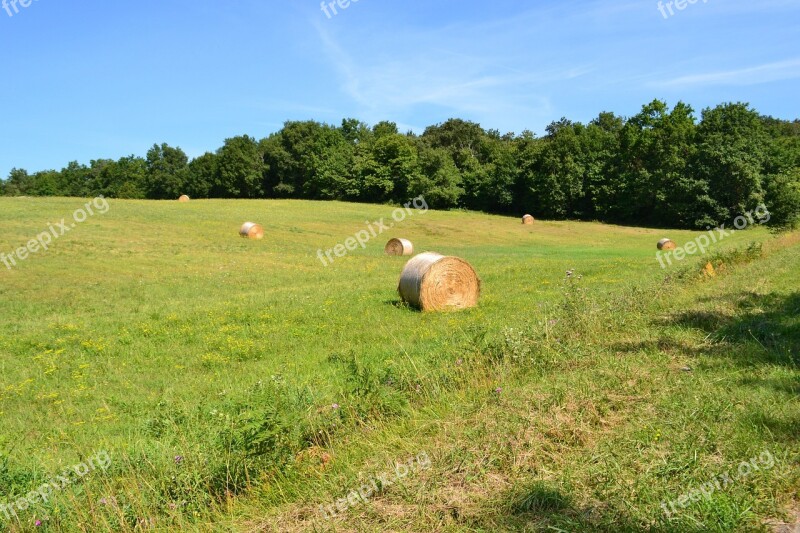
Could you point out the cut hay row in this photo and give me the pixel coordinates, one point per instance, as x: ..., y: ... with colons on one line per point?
x: 433, y: 282
x: 399, y: 247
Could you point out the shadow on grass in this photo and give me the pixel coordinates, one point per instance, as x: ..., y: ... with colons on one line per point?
x: 539, y: 506
x: 770, y: 320
x: 766, y: 328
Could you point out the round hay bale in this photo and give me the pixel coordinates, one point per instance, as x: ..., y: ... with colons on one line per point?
x: 433, y: 282
x: 399, y: 247
x: 184, y: 199
x: 666, y: 244
x: 528, y: 220
x: 251, y: 230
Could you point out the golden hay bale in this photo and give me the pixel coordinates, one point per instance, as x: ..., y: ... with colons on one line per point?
x: 184, y: 199
x: 433, y: 282
x: 528, y: 220
x: 399, y: 247
x: 666, y: 244
x: 251, y: 230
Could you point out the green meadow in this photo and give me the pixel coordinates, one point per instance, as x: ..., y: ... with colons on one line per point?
x: 237, y: 385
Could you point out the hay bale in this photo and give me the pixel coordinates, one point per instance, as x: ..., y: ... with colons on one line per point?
x: 251, y: 230
x: 666, y: 244
x: 399, y: 247
x: 184, y: 199
x: 528, y: 220
x: 433, y: 282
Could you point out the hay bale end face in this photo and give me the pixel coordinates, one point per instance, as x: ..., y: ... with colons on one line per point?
x: 433, y: 282
x: 666, y: 244
x: 399, y: 247
x: 528, y: 220
x: 184, y: 199
x: 251, y: 230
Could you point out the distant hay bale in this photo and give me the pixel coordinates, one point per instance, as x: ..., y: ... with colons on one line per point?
x: 251, y: 230
x: 399, y: 247
x: 528, y: 220
x: 433, y: 282
x: 184, y: 199
x: 666, y: 244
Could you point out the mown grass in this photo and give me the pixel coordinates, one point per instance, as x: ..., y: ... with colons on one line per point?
x: 209, y: 366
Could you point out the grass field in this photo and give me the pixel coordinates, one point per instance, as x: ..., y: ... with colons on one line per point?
x: 239, y: 385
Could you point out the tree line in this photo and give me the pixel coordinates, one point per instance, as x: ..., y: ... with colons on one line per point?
x: 661, y: 167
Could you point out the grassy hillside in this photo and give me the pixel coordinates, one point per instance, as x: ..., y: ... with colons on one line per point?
x: 240, y: 384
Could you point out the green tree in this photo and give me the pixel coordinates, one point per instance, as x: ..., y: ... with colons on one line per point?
x: 783, y: 199
x: 385, y: 171
x: 600, y: 145
x: 19, y: 183
x: 356, y: 132
x: 659, y: 175
x: 731, y: 155
x: 75, y: 180
x: 167, y: 172
x: 46, y: 183
x: 240, y: 169
x: 485, y: 160
x: 309, y: 160
x: 660, y: 167
x: 438, y: 181
x: 529, y: 149
x: 552, y: 171
x: 461, y: 138
x: 783, y: 150
x: 202, y: 175
x: 384, y: 128
x: 489, y: 178
x: 126, y: 178
x: 97, y: 178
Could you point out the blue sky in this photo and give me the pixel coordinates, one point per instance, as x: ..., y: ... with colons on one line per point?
x: 101, y: 79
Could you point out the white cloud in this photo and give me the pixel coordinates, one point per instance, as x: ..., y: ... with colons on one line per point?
x: 472, y: 84
x: 769, y: 72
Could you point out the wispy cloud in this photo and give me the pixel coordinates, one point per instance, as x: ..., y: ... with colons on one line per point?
x: 769, y: 72
x: 473, y: 84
